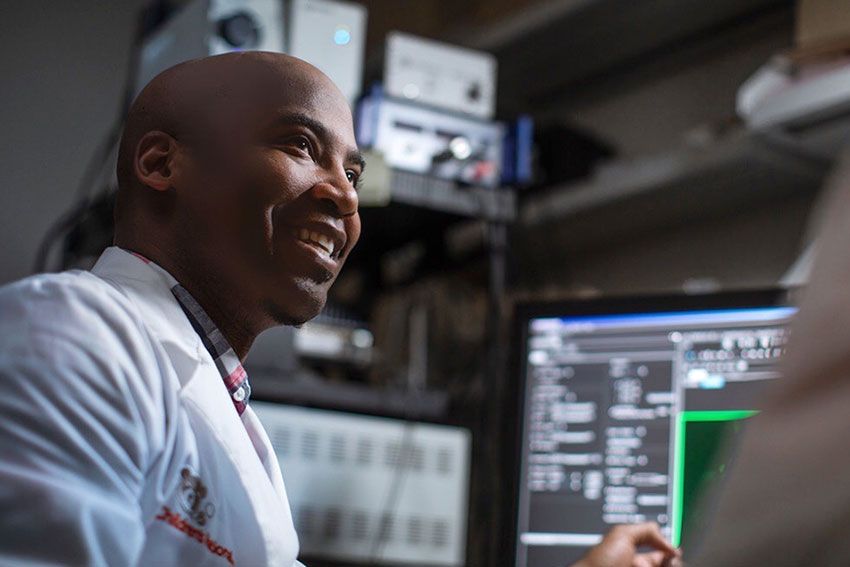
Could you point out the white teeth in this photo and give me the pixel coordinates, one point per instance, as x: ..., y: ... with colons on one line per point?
x: 320, y: 241
x: 326, y: 243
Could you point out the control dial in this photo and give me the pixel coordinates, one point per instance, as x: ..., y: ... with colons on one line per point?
x: 239, y: 30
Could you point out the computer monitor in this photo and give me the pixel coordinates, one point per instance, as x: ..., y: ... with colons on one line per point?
x: 628, y: 409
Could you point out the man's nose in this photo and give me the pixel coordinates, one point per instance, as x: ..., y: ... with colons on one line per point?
x: 338, y: 192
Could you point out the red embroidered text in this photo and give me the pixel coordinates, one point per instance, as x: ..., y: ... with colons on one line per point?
x: 176, y: 521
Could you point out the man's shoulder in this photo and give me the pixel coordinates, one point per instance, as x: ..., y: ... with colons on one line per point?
x: 76, y: 330
x: 73, y: 348
x: 69, y: 304
x: 73, y: 290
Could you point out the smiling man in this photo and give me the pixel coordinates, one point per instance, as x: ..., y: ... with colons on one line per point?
x: 238, y: 176
x: 126, y: 433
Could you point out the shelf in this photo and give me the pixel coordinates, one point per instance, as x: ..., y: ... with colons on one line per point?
x: 420, y: 212
x: 681, y: 185
x: 808, y: 112
x: 446, y: 196
x: 315, y: 392
x: 773, y: 97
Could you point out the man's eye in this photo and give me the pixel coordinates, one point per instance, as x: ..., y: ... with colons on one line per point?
x: 300, y: 143
x: 352, y: 176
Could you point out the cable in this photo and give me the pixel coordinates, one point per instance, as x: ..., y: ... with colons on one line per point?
x: 416, y: 378
x: 81, y: 204
x: 406, y: 448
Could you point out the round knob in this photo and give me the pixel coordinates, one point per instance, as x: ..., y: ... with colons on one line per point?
x: 239, y: 30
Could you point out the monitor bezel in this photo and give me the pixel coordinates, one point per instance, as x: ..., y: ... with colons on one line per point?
x: 524, y: 311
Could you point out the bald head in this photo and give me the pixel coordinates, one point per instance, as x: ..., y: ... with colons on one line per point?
x: 208, y: 98
x: 238, y: 173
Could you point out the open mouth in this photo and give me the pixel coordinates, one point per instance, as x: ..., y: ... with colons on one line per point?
x: 322, y: 244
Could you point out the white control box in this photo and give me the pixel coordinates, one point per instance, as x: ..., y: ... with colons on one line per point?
x: 212, y: 27
x: 264, y: 16
x: 429, y: 141
x: 439, y: 74
x: 332, y: 36
x: 329, y: 34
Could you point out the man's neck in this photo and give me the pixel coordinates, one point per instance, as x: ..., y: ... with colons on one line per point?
x: 219, y: 304
x: 232, y: 325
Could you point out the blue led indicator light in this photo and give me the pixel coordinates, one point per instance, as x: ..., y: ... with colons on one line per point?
x: 342, y: 36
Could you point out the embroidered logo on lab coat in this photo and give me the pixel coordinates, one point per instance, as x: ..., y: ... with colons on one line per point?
x: 193, y: 497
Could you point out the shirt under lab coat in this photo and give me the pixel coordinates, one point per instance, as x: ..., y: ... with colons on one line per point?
x: 119, y: 444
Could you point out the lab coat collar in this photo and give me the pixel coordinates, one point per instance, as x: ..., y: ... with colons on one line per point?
x: 148, y: 286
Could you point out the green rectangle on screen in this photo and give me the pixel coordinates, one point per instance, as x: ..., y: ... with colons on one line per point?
x: 690, y: 473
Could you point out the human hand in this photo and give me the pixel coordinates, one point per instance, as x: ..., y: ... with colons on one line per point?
x: 619, y: 549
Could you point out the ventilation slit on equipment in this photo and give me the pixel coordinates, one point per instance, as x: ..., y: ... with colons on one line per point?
x: 415, y: 526
x: 364, y: 451
x: 337, y: 448
x: 417, y: 458
x: 386, y: 528
x: 360, y: 525
x: 333, y: 520
x: 281, y: 439
x: 440, y: 533
x: 305, y: 522
x: 309, y: 445
x: 392, y: 454
x: 444, y: 461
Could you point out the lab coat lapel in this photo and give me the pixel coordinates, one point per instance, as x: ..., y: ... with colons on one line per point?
x: 266, y: 452
x: 206, y: 394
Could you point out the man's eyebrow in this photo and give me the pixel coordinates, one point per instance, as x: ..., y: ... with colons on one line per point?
x: 354, y: 156
x: 299, y: 119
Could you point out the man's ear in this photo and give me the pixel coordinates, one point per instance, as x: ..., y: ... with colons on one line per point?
x: 157, y: 160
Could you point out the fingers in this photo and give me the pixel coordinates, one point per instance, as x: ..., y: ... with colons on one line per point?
x: 619, y: 548
x: 648, y: 534
x: 654, y: 559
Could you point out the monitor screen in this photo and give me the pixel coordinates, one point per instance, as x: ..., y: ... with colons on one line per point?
x: 628, y: 408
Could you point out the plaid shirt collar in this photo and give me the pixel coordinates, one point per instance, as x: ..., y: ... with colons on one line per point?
x: 229, y: 366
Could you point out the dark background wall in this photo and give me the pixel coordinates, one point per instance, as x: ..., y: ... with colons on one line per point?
x: 63, y: 66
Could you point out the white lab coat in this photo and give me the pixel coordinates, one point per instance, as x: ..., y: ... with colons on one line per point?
x: 119, y: 444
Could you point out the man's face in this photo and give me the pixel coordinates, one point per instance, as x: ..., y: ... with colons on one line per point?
x: 279, y: 194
